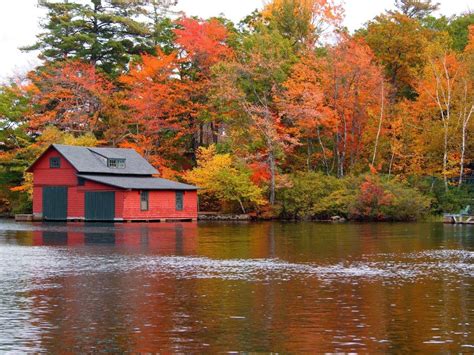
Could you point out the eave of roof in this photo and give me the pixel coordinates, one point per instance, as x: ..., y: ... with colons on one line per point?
x: 138, y: 183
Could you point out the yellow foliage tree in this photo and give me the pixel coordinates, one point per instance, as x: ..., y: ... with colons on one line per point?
x: 220, y: 178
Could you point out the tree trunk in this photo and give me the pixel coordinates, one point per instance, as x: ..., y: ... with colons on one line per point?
x: 241, y: 206
x: 308, y: 155
x: 463, y: 144
x: 445, y: 158
x: 466, y: 116
x: 271, y: 161
x: 380, y: 124
x: 391, y: 163
x: 325, y: 161
x: 344, y: 147
x: 443, y: 100
x: 463, y: 150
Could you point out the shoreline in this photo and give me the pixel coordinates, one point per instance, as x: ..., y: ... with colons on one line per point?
x: 216, y: 217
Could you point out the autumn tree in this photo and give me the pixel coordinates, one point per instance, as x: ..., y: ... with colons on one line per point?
x: 355, y: 85
x: 70, y: 95
x: 302, y: 21
x: 14, y: 104
x: 158, y: 114
x: 305, y: 103
x: 400, y: 44
x: 457, y: 26
x: 201, y: 45
x: 445, y: 105
x: 252, y: 81
x: 466, y: 98
x: 222, y: 179
x: 340, y: 97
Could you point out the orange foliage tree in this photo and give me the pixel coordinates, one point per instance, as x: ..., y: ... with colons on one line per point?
x: 201, y: 45
x: 443, y: 109
x: 337, y: 101
x: 354, y: 84
x: 167, y: 95
x: 252, y: 83
x: 304, y: 102
x: 70, y: 95
x: 156, y: 102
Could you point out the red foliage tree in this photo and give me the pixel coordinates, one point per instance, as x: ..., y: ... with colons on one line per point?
x: 204, y: 43
x: 70, y: 95
x: 157, y: 99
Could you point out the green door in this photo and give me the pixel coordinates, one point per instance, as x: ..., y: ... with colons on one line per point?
x: 100, y: 206
x: 55, y: 203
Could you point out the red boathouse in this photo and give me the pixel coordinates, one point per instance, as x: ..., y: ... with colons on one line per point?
x: 105, y: 184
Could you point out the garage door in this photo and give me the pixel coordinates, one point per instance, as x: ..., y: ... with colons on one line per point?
x: 100, y: 206
x: 55, y: 203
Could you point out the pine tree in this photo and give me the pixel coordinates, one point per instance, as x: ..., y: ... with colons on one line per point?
x: 418, y: 9
x: 105, y: 33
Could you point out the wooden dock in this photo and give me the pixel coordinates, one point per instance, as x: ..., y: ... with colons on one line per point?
x: 458, y: 219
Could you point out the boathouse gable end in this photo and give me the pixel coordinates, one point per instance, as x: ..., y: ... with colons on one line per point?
x: 98, y: 188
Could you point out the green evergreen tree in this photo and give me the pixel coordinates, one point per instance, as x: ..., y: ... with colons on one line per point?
x: 418, y: 9
x: 106, y: 33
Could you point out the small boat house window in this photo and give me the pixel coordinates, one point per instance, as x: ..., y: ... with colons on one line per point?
x: 179, y: 200
x: 116, y: 163
x: 54, y: 162
x: 144, y: 195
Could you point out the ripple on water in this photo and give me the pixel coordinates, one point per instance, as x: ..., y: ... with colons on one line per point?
x: 36, y: 263
x: 23, y: 269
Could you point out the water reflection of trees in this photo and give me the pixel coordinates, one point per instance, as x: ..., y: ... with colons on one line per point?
x: 139, y: 311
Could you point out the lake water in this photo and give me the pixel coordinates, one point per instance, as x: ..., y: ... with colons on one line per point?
x: 208, y: 287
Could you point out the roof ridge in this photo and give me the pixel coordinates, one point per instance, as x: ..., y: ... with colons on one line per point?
x: 90, y: 159
x: 90, y: 147
x: 92, y: 151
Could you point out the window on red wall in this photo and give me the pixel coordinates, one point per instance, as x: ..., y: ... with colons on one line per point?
x: 144, y: 196
x: 54, y: 162
x: 179, y: 200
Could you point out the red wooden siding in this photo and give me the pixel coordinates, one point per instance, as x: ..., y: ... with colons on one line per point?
x: 76, y: 198
x: 161, y: 204
x: 44, y: 175
x: 37, y: 199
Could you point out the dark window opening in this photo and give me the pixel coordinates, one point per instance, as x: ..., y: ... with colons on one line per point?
x: 144, y: 196
x: 179, y: 200
x: 116, y: 163
x: 81, y: 181
x: 54, y: 163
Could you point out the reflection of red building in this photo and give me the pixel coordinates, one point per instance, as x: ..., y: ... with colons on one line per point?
x: 165, y: 238
x: 105, y: 184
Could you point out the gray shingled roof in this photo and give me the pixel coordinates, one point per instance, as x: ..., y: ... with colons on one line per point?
x: 94, y: 160
x: 141, y: 183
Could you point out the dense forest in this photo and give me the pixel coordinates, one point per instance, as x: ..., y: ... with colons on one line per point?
x: 285, y: 114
